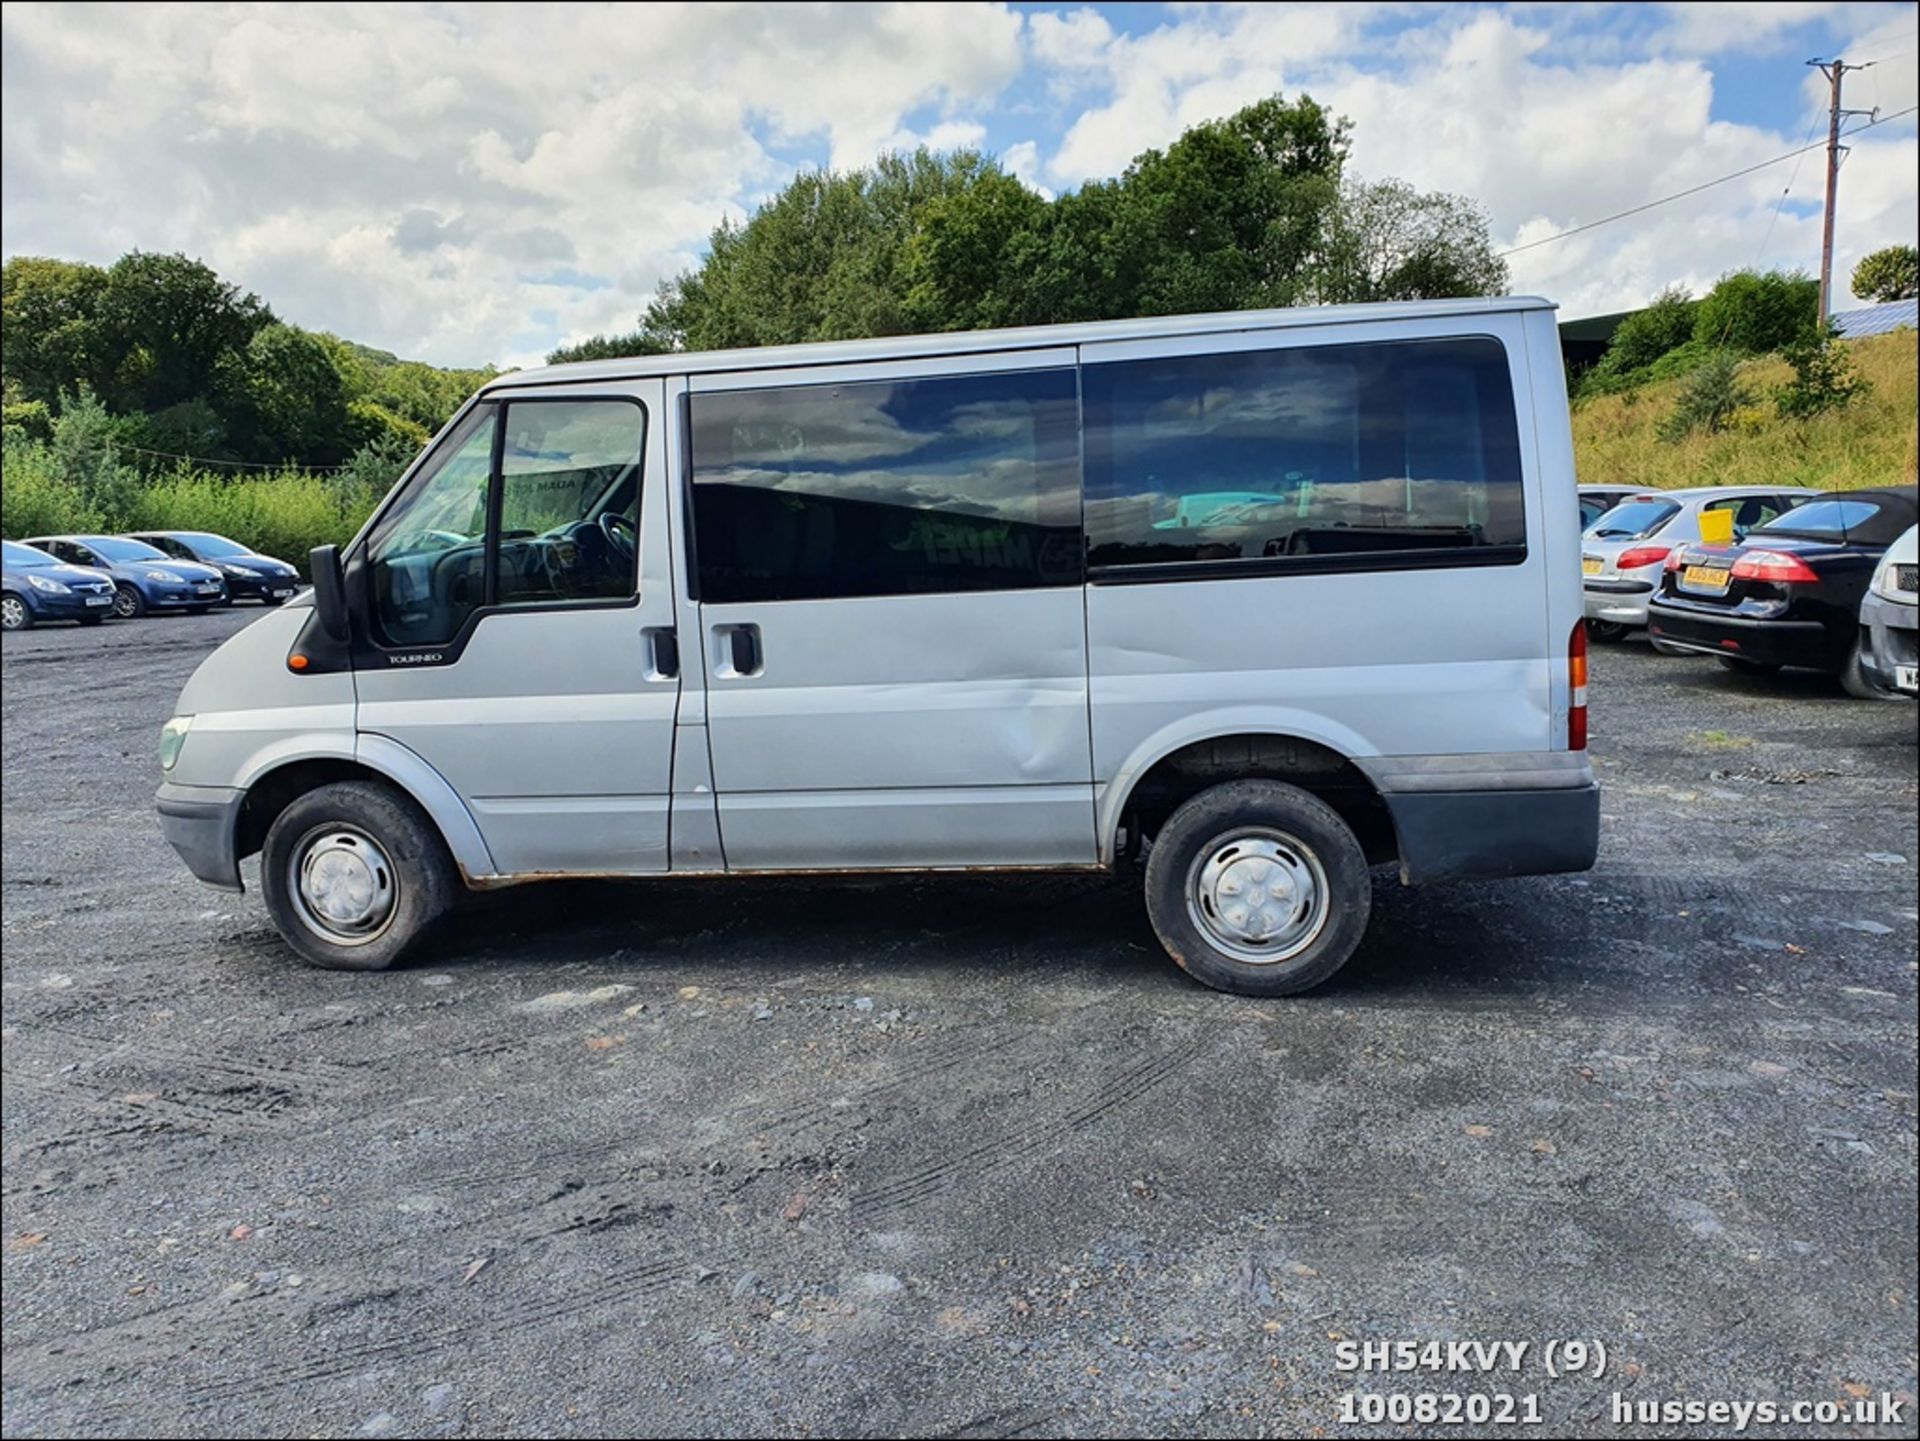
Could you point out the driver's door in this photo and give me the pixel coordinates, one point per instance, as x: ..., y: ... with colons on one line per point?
x: 514, y: 619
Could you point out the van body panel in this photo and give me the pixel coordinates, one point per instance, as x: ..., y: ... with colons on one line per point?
x: 552, y: 722
x: 1553, y: 499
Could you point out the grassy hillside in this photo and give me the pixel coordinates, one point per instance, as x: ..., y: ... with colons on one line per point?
x: 1871, y: 442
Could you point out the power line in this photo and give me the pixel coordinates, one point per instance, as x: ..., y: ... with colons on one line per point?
x: 259, y: 465
x: 1696, y: 189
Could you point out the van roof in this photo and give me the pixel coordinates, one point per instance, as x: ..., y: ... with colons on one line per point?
x: 1030, y: 337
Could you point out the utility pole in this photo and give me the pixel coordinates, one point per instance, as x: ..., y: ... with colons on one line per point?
x: 1835, y: 70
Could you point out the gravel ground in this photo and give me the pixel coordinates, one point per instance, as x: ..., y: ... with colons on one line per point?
x: 963, y: 1157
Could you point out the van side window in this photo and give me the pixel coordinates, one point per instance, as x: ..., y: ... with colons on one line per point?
x: 889, y: 487
x: 1340, y: 450
x: 565, y: 478
x: 569, y: 500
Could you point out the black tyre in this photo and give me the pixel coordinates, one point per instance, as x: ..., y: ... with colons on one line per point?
x: 1748, y: 667
x: 1258, y: 888
x: 1606, y: 631
x: 128, y: 603
x: 14, y: 614
x: 1855, y: 681
x: 354, y: 873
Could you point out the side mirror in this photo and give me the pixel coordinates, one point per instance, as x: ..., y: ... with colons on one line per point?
x: 329, y: 592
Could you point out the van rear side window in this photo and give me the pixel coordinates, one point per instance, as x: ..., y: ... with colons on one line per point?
x: 890, y: 487
x: 1338, y: 450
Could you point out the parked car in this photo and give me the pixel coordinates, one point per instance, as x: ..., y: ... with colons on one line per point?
x: 1597, y: 500
x: 144, y: 579
x: 1622, y: 552
x: 909, y: 604
x: 249, y: 574
x: 1890, y: 617
x: 1789, y: 594
x: 36, y: 586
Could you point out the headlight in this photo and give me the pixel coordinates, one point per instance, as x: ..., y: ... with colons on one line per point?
x: 52, y: 587
x: 239, y: 570
x: 166, y: 575
x: 172, y: 736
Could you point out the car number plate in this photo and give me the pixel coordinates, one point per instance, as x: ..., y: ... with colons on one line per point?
x: 1589, y: 565
x: 99, y: 600
x: 208, y: 587
x: 282, y: 594
x: 1906, y: 677
x: 1706, y: 577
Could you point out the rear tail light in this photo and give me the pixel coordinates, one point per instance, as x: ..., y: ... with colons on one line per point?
x: 1642, y: 555
x: 1577, y: 687
x: 1676, y: 558
x: 1779, y: 566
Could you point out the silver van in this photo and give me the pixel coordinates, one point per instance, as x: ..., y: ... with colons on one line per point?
x: 1249, y: 603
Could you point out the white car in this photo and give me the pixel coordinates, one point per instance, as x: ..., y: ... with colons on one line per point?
x: 1622, y: 552
x: 1890, y: 618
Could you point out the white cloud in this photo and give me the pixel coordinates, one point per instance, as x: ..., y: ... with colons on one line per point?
x: 297, y: 148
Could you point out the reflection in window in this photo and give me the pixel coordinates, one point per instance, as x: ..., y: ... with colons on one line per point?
x: 425, y: 558
x: 569, y: 500
x: 888, y: 487
x: 1301, y: 452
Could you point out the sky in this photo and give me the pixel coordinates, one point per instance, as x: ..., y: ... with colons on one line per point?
x: 466, y: 184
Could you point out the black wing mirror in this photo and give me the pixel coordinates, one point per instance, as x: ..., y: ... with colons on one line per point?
x: 329, y: 591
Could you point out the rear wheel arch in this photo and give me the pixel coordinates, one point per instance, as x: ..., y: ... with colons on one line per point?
x: 1182, y: 772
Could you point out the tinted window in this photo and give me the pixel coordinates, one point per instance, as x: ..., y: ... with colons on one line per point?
x: 124, y: 551
x: 1748, y: 511
x: 888, y: 487
x: 212, y: 547
x: 1635, y: 519
x: 1827, y: 517
x: 1311, y: 451
x: 26, y: 555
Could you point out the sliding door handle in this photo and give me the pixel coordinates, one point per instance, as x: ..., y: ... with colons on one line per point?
x: 736, y: 651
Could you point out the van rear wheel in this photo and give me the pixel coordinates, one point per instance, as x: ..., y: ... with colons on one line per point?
x: 354, y: 873
x: 1259, y: 888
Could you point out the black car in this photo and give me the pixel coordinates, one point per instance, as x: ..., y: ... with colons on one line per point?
x: 1789, y: 593
x: 249, y: 575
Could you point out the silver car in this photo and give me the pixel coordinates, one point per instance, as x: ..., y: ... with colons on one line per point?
x: 1622, y: 552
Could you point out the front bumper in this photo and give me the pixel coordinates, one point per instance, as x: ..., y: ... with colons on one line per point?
x: 1890, y: 641
x: 178, y: 597
x: 66, y: 607
x: 199, y: 822
x: 262, y: 587
x: 1764, y: 642
x: 1624, y: 602
x: 1492, y: 816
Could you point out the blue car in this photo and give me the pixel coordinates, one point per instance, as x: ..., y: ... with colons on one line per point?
x: 144, y: 579
x: 35, y: 586
x: 250, y: 575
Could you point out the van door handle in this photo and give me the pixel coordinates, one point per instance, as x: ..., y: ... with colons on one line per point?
x: 736, y: 651
x: 663, y: 652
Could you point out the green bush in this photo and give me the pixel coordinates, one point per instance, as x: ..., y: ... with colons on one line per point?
x: 1752, y: 311
x: 1709, y: 399
x: 1823, y: 379
x: 34, y: 497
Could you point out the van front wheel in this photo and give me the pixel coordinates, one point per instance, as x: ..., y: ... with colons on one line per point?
x: 354, y: 873
x: 1258, y: 888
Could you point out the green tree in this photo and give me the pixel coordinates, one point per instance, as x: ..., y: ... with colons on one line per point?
x: 1823, y: 378
x: 1892, y: 273
x: 608, y: 347
x: 1388, y: 241
x: 85, y: 458
x: 168, y: 325
x: 961, y: 262
x: 288, y: 397
x: 50, y: 336
x: 1666, y: 324
x: 1752, y: 311
x: 1713, y: 392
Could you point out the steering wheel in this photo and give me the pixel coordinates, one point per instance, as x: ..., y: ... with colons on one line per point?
x: 621, y: 534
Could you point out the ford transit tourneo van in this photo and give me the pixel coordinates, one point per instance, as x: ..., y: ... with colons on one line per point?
x: 1247, y: 603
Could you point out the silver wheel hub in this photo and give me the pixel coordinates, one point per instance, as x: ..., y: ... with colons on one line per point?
x: 343, y: 885
x: 13, y: 610
x: 1259, y: 895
